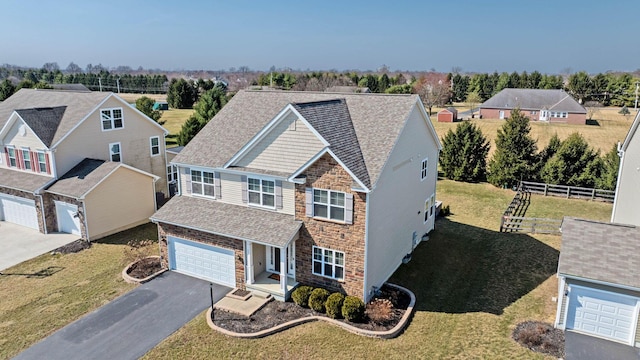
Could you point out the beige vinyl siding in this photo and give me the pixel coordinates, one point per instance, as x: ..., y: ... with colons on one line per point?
x: 396, y: 205
x: 123, y: 200
x: 231, y: 189
x: 29, y: 140
x: 89, y: 141
x: 283, y: 149
x: 259, y: 258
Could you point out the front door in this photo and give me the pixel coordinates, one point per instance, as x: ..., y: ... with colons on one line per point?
x: 273, y: 259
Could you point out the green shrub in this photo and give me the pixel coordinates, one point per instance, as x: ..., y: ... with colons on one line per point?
x: 318, y: 299
x: 353, y: 309
x: 301, y: 295
x: 334, y: 305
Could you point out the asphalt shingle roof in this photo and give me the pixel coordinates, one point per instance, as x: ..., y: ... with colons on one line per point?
x: 377, y: 120
x: 239, y: 222
x: 534, y: 99
x: 43, y: 121
x: 21, y: 180
x: 78, y: 105
x: 600, y: 251
x: 332, y: 121
x: 82, y: 177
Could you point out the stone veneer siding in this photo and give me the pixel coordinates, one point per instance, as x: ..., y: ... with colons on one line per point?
x: 165, y: 230
x: 52, y: 217
x: 327, y: 174
x: 28, y: 195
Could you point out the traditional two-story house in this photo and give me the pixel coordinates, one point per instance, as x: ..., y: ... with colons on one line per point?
x: 282, y: 188
x: 80, y: 162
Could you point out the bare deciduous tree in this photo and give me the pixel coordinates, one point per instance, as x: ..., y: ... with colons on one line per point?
x: 432, y: 92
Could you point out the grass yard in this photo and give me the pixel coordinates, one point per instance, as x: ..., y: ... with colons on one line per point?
x: 611, y: 127
x: 33, y: 306
x: 473, y: 285
x: 175, y: 118
x: 132, y: 97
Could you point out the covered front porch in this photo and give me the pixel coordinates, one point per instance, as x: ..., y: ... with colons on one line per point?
x: 270, y: 268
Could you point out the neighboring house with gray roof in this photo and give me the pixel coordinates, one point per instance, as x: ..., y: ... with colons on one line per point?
x: 627, y: 199
x: 47, y: 181
x: 599, y: 280
x: 552, y: 105
x: 283, y: 188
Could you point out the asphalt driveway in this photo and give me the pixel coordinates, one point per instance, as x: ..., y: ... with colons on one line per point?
x: 583, y: 347
x: 132, y: 324
x: 20, y: 243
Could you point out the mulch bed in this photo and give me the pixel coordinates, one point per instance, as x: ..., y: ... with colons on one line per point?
x: 73, y: 247
x: 540, y: 337
x: 144, y: 268
x: 275, y: 313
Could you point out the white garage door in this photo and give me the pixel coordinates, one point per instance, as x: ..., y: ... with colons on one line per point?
x: 68, y: 219
x: 19, y: 211
x: 202, y: 261
x: 609, y: 315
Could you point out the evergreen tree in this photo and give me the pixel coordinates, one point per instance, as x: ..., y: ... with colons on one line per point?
x: 575, y: 164
x: 189, y: 129
x: 610, y: 165
x: 6, y: 89
x: 210, y: 103
x: 145, y: 105
x: 464, y: 153
x: 182, y: 94
x: 514, y: 157
x: 544, y: 156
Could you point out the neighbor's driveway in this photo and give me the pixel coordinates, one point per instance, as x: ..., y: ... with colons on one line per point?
x: 583, y: 347
x: 132, y: 324
x: 20, y: 243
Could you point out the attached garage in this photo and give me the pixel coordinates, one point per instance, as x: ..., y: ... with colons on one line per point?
x: 602, y: 313
x: 68, y: 218
x: 19, y: 211
x: 206, y: 262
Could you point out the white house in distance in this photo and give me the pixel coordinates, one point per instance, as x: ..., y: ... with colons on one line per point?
x: 286, y: 188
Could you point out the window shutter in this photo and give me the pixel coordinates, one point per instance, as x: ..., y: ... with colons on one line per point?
x: 348, y: 208
x: 245, y: 194
x: 187, y: 177
x: 34, y: 161
x: 216, y: 185
x: 19, y: 163
x: 46, y: 160
x: 6, y: 155
x: 309, y: 201
x: 278, y: 194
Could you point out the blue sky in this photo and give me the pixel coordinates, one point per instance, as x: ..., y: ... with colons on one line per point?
x: 475, y: 35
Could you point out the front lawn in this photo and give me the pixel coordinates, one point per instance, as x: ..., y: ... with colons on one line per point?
x: 473, y: 286
x: 46, y: 293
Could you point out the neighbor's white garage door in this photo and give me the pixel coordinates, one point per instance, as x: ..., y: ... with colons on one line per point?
x: 602, y: 313
x: 202, y: 261
x: 19, y: 211
x: 68, y: 219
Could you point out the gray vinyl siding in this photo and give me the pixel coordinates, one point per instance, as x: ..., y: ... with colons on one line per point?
x: 283, y: 149
x: 628, y: 197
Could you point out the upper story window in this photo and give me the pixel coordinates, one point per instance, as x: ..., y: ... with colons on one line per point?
x: 155, y: 145
x: 26, y: 159
x: 202, y: 183
x: 42, y: 161
x: 329, y: 204
x: 11, y: 157
x: 115, y: 152
x: 172, y: 173
x: 423, y: 172
x: 111, y: 119
x: 261, y: 192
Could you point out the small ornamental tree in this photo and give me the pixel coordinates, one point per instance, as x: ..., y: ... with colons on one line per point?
x: 624, y: 111
x: 464, y: 153
x: 515, y: 152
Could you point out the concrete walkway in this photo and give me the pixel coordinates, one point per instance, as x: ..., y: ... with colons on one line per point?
x: 583, y: 347
x: 132, y: 324
x: 20, y: 243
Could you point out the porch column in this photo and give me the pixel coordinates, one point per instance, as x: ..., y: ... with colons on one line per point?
x: 248, y: 259
x: 283, y: 270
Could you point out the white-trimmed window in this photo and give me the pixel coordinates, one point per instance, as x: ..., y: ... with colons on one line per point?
x: 154, y: 142
x: 26, y: 159
x: 42, y: 161
x: 202, y: 183
x: 328, y: 204
x: 115, y: 152
x: 423, y: 169
x: 328, y: 263
x: 11, y: 157
x: 172, y: 173
x: 111, y: 119
x: 429, y: 205
x: 261, y: 192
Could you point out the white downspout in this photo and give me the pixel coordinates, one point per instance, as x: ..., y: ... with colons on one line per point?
x: 617, y: 189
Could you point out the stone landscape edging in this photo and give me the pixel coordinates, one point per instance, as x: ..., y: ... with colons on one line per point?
x: 387, y: 334
x: 132, y: 280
